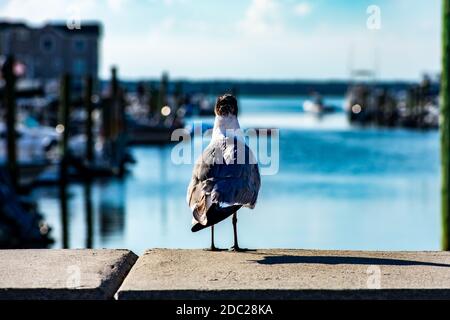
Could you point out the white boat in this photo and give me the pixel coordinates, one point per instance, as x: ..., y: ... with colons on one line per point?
x: 317, y: 107
x: 36, y: 150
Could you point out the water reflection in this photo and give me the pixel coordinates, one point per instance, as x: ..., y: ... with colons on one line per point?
x: 163, y: 190
x: 112, y: 209
x: 89, y: 213
x: 64, y: 209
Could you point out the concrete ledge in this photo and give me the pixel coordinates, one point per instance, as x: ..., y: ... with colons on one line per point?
x: 288, y: 274
x: 198, y: 274
x: 63, y: 274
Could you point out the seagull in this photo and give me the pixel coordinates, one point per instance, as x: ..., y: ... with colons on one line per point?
x: 226, y: 176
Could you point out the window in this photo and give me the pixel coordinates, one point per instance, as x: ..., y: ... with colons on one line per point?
x: 47, y: 44
x: 58, y: 64
x: 22, y: 34
x: 79, y: 67
x: 79, y: 45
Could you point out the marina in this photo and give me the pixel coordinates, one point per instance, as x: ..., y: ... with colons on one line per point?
x: 245, y: 151
x: 80, y: 166
x: 330, y: 162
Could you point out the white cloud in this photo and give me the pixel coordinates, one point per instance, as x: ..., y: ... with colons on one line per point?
x: 116, y: 5
x: 266, y: 46
x: 302, y: 9
x: 44, y: 10
x: 168, y: 3
x: 164, y: 28
x: 262, y: 17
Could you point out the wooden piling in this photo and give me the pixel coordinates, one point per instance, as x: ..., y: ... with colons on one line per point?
x: 114, y: 81
x: 114, y: 102
x: 154, y: 96
x: 117, y: 112
x: 63, y: 124
x: 88, y: 92
x: 64, y: 112
x: 163, y: 87
x: 445, y: 125
x: 10, y: 105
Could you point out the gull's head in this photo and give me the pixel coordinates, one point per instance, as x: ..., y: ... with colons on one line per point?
x: 226, y: 122
x: 226, y: 105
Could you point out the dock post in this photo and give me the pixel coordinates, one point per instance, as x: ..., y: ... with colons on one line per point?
x: 88, y: 104
x: 445, y: 125
x: 10, y: 106
x: 114, y: 81
x: 64, y: 112
x: 121, y: 123
x: 89, y: 83
x: 117, y: 120
x: 163, y: 87
x: 114, y: 101
x: 153, y: 101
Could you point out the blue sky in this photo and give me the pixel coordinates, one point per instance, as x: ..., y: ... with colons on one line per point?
x: 253, y: 39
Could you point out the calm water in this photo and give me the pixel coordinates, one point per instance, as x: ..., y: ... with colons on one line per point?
x: 338, y: 187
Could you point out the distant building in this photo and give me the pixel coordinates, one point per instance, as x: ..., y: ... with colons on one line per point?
x: 53, y: 49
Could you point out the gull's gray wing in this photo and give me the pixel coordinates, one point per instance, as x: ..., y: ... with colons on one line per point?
x: 226, y: 174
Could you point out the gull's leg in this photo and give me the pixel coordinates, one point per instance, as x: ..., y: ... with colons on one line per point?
x: 235, y: 247
x: 236, y: 244
x: 213, y: 247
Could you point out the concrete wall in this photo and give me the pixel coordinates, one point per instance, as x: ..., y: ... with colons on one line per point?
x: 199, y: 274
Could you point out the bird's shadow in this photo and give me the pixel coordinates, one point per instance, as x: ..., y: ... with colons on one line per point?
x: 334, y: 260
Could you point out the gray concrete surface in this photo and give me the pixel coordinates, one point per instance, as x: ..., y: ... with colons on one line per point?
x: 288, y: 274
x: 63, y: 274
